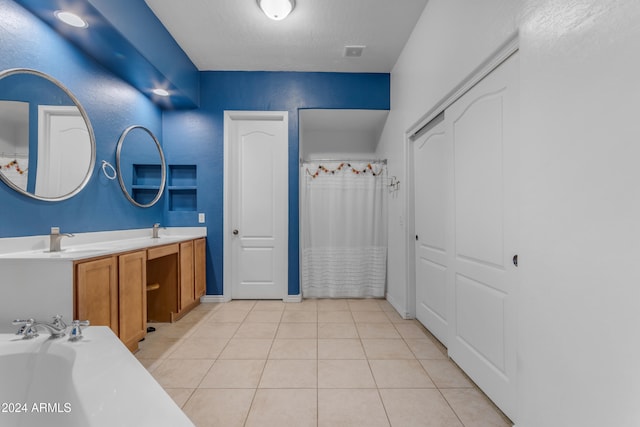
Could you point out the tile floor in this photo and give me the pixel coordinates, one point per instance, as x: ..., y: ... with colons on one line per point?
x: 323, y: 363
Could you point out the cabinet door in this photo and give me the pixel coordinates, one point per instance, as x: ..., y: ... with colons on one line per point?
x: 97, y: 292
x: 133, y: 297
x: 187, y: 292
x: 200, y: 268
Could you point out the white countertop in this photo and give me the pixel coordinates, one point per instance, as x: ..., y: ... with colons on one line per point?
x: 89, y: 245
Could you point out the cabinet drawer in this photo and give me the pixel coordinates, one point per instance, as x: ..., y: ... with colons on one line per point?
x: 161, y: 251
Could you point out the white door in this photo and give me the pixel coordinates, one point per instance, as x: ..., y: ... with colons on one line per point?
x: 64, y: 151
x: 433, y: 227
x: 256, y: 158
x: 483, y: 128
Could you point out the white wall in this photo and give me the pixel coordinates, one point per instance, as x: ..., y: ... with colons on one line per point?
x: 579, y: 296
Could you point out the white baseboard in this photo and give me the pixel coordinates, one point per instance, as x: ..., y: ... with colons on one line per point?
x: 213, y: 298
x: 399, y: 309
x: 292, y: 298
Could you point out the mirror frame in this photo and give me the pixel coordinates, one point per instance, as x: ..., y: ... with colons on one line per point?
x: 85, y: 116
x: 163, y: 164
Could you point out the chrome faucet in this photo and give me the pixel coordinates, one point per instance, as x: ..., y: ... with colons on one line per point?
x: 29, y: 328
x: 55, y: 237
x: 156, y: 228
x: 76, y: 331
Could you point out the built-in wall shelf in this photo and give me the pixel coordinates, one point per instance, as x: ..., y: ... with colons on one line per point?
x: 182, y: 188
x: 145, y: 182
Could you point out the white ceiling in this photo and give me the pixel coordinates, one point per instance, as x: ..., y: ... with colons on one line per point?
x: 235, y: 35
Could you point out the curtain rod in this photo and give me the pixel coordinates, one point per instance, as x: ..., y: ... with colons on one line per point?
x: 383, y: 161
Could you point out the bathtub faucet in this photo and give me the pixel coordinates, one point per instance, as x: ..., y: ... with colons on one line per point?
x: 29, y: 328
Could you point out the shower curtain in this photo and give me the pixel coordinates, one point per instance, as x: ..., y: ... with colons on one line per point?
x: 344, y: 251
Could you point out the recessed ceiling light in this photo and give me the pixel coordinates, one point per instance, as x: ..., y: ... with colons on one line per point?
x: 71, y: 18
x: 160, y: 92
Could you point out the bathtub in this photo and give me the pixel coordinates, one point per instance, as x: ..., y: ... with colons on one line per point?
x: 89, y: 383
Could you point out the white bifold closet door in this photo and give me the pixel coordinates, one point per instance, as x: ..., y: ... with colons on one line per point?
x: 466, y: 273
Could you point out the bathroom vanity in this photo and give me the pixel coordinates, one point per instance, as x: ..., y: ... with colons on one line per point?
x: 118, y: 279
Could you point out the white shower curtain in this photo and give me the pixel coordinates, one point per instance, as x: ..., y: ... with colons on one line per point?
x: 344, y: 250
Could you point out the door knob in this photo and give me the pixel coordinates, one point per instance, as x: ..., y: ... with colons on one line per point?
x: 515, y: 260
x: 235, y: 232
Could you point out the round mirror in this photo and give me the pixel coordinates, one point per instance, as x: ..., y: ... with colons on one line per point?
x: 142, y: 170
x: 47, y: 145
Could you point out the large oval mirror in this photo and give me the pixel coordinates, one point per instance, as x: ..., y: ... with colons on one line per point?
x: 142, y: 170
x: 47, y: 145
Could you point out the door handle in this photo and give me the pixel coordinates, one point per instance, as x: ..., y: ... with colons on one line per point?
x: 515, y: 260
x: 235, y: 232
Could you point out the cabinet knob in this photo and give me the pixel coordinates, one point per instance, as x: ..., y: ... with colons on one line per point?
x: 235, y: 232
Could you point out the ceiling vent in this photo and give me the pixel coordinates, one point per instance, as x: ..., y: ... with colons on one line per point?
x: 353, y: 51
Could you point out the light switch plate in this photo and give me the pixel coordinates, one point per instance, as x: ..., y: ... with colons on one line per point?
x: 201, y: 217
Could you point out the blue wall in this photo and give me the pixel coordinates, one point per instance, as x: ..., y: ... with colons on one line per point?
x: 197, y: 136
x: 191, y: 137
x: 112, y: 105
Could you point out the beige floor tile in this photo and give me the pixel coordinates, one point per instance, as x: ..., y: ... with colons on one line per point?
x: 283, y: 408
x: 266, y: 305
x: 294, y: 348
x: 156, y: 347
x: 209, y: 329
x: 195, y: 316
x: 370, y: 317
x: 199, y: 348
x: 247, y: 348
x: 333, y: 305
x: 290, y: 374
x: 364, y: 305
x: 234, y: 374
x: 394, y: 317
x: 179, y: 395
x: 386, y: 349
x: 239, y: 304
x: 305, y: 305
x: 445, y: 374
x: 337, y: 330
x: 257, y: 330
x: 386, y: 306
x: 425, y: 348
x: 473, y: 408
x: 377, y: 330
x: 400, y: 374
x: 350, y: 408
x: 172, y: 330
x: 344, y: 374
x: 149, y: 364
x: 418, y: 408
x: 291, y: 316
x: 228, y: 316
x: 297, y: 330
x: 410, y: 331
x: 181, y: 373
x: 214, y: 408
x: 264, y: 316
x: 335, y: 317
x: 340, y: 348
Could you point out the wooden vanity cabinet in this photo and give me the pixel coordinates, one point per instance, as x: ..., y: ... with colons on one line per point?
x: 187, y: 283
x: 96, y: 292
x: 112, y: 292
x: 132, y: 287
x: 200, y: 266
x: 193, y: 279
